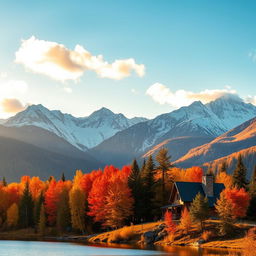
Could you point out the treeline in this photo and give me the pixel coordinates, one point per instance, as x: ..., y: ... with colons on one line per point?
x: 108, y: 198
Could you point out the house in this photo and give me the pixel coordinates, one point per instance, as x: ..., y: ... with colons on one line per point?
x: 183, y: 193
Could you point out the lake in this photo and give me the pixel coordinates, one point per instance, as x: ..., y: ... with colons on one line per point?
x: 32, y: 248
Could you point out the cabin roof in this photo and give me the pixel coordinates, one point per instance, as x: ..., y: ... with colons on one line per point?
x: 189, y: 190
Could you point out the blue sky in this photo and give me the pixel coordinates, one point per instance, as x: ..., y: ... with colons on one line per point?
x: 191, y: 46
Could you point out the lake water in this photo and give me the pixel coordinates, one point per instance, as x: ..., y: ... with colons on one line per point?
x: 29, y: 248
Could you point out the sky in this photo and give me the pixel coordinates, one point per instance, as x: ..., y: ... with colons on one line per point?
x: 139, y: 58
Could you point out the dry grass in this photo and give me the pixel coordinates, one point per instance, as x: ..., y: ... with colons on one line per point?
x: 130, y: 233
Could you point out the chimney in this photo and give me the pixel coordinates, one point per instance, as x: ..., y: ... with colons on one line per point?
x: 207, y: 183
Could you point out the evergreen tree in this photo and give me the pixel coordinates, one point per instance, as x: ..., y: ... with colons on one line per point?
x: 63, y: 178
x: 37, y: 208
x: 239, y: 175
x: 42, y: 221
x: 199, y: 209
x: 148, y: 183
x: 143, y: 166
x: 223, y: 167
x: 63, y: 212
x: 4, y: 183
x: 26, y: 208
x: 135, y: 184
x: 252, y: 190
x: 163, y: 160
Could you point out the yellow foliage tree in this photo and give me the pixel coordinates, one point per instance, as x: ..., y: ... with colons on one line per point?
x: 13, y: 215
x: 77, y: 208
x: 185, y: 221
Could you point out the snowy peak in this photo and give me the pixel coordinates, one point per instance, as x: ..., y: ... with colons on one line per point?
x: 231, y: 110
x: 84, y: 133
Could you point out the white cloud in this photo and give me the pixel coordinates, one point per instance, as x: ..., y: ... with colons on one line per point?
x: 251, y: 99
x: 163, y: 95
x: 58, y: 62
x: 68, y: 90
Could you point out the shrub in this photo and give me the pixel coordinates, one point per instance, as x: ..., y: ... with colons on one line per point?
x: 249, y: 242
x: 207, y: 235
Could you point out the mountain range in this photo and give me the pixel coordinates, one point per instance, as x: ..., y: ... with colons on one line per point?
x: 197, y: 134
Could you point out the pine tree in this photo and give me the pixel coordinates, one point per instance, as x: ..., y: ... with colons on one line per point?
x: 26, y: 208
x: 42, y: 221
x: 4, y: 183
x: 148, y: 183
x: 63, y: 212
x: 239, y: 175
x: 135, y: 184
x: 252, y: 190
x: 37, y: 208
x: 199, y: 209
x: 77, y: 209
x: 223, y: 167
x: 63, y: 178
x: 224, y: 210
x: 163, y: 160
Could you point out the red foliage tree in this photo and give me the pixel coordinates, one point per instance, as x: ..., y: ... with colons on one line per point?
x: 170, y: 225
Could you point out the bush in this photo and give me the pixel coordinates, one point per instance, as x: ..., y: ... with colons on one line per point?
x: 249, y: 242
x: 207, y: 235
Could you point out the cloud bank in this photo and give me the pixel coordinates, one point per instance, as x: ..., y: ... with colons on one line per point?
x: 60, y: 63
x: 163, y: 95
x: 12, y: 105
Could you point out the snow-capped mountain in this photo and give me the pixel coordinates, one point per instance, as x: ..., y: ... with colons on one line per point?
x: 83, y: 133
x: 194, y: 121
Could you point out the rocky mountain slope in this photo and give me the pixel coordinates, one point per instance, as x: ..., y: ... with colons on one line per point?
x: 83, y: 133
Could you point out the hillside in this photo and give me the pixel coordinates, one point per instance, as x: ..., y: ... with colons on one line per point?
x: 240, y: 138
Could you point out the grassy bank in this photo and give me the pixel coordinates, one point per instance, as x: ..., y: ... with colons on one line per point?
x: 210, y: 237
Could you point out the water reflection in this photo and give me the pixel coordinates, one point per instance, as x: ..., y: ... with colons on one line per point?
x: 28, y: 248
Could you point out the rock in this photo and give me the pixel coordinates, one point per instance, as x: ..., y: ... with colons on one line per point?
x: 149, y: 237
x: 161, y: 235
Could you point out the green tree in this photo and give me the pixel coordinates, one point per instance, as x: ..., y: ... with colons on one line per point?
x: 239, y: 175
x: 4, y: 183
x: 223, y: 167
x: 63, y: 178
x: 224, y: 210
x: 37, y: 208
x: 164, y: 164
x: 252, y: 190
x: 148, y: 183
x: 199, y: 209
x: 42, y: 221
x: 135, y: 184
x: 63, y: 212
x: 26, y: 208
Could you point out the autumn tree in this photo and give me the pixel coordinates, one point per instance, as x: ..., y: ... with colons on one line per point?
x: 199, y: 209
x: 42, y: 221
x: 77, y: 208
x: 26, y: 208
x: 63, y: 211
x: 239, y: 175
x: 185, y: 220
x: 13, y: 215
x: 164, y: 164
x: 224, y: 209
x: 239, y: 200
x: 170, y: 225
x: 119, y: 203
